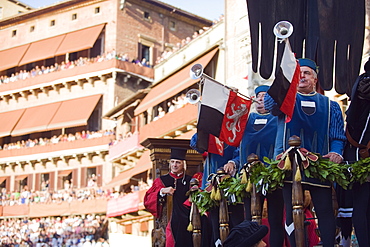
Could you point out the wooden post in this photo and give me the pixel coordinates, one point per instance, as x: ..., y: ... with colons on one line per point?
x: 297, y: 195
x: 224, y: 218
x: 195, y: 216
x: 169, y: 207
x: 255, y: 197
x: 223, y: 210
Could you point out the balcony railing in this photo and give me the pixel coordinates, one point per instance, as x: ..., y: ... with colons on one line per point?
x: 124, y: 146
x: 128, y: 203
x: 170, y: 122
x: 61, y: 146
x: 87, y: 70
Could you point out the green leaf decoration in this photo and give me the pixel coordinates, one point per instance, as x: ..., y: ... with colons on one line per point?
x: 270, y: 177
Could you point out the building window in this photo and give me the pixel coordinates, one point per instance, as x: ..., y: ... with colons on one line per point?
x: 74, y: 16
x: 52, y: 23
x: 14, y: 33
x: 172, y: 25
x: 144, y: 52
x: 145, y: 49
x: 32, y: 28
x: 146, y: 15
x: 97, y: 10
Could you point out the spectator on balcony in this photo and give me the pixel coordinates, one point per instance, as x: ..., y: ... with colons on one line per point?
x: 92, y: 181
x: 144, y: 63
x: 41, y: 142
x: 72, y: 65
x: 181, y: 101
x: 13, y: 78
x: 160, y: 114
x: 83, y: 134
x: 195, y: 35
x: 54, y: 140
x: 171, y: 106
x: 135, y: 61
x: 71, y: 137
x: 111, y: 55
x: 67, y: 64
x: 183, y: 43
x: 56, y: 67
x: 25, y: 195
x: 67, y: 184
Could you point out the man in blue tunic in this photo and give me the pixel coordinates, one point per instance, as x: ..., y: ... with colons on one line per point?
x: 259, y: 138
x: 319, y: 123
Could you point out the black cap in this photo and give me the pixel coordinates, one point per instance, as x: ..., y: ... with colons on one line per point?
x: 178, y: 153
x: 245, y: 234
x: 367, y: 66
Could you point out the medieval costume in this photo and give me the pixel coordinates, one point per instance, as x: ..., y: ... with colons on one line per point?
x: 259, y: 138
x: 319, y: 124
x: 358, y: 147
x: 154, y: 201
x: 211, y: 164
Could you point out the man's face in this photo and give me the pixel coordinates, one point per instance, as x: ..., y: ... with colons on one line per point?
x: 308, y: 80
x: 176, y: 166
x: 260, y: 106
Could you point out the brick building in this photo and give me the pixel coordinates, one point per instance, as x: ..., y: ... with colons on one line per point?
x: 64, y: 67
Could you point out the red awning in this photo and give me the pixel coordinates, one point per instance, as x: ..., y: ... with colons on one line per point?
x: 8, y: 120
x: 172, y: 85
x: 80, y: 40
x: 64, y: 173
x: 143, y: 164
x: 20, y: 177
x: 42, y: 49
x: 2, y: 179
x: 11, y: 57
x: 35, y: 119
x: 70, y: 113
x: 75, y: 112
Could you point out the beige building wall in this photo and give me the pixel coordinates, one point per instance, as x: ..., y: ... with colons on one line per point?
x: 12, y: 7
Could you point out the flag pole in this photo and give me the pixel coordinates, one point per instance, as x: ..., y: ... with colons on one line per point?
x: 205, y: 76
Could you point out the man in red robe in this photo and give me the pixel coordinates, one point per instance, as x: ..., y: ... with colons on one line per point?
x: 176, y: 183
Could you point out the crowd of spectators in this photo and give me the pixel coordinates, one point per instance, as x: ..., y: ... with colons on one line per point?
x: 170, y: 105
x: 68, y: 194
x: 64, y: 65
x: 68, y: 231
x: 57, y: 139
x: 184, y: 42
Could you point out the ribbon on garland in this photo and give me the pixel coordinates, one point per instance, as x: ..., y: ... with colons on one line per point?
x: 214, y: 182
x: 304, y: 154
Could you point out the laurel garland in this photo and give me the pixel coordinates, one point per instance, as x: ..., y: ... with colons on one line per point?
x: 326, y: 170
x: 234, y: 190
x: 360, y: 171
x: 203, y: 201
x: 269, y: 178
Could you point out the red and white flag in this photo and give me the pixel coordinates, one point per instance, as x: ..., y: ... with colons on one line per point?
x: 215, y: 146
x: 223, y: 114
x: 284, y: 88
